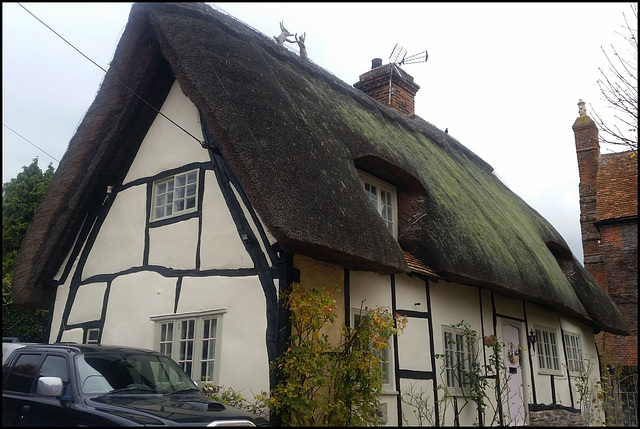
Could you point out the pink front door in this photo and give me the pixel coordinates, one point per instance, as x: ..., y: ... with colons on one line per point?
x: 511, y: 337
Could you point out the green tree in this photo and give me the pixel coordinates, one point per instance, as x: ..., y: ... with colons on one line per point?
x: 20, y: 200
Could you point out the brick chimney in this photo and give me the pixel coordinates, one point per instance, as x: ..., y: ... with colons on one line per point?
x: 394, y: 88
x: 588, y: 153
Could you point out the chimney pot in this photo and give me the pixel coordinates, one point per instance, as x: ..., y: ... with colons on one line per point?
x: 582, y: 110
x: 375, y: 63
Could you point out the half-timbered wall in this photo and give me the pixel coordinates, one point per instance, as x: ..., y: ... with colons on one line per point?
x: 125, y: 271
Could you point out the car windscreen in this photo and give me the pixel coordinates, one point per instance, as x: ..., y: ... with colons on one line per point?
x: 101, y: 373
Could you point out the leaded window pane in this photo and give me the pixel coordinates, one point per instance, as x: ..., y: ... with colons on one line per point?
x: 170, y: 195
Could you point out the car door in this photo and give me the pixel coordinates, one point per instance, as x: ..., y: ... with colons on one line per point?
x: 44, y: 410
x: 18, y: 379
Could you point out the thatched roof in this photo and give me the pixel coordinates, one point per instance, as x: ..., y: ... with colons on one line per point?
x: 294, y: 135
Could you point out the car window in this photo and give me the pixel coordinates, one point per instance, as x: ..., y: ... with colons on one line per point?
x: 55, y: 366
x: 100, y: 373
x: 22, y: 374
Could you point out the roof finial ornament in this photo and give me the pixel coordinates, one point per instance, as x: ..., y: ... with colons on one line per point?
x: 283, y: 34
x: 582, y: 110
x: 301, y: 45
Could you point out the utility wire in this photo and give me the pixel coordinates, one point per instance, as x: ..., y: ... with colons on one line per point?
x: 32, y: 144
x: 115, y: 78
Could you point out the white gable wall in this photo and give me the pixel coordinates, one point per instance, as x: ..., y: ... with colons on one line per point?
x: 166, y: 146
x: 135, y: 271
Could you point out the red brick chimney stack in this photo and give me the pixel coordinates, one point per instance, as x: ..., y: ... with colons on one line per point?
x: 588, y: 153
x: 394, y: 89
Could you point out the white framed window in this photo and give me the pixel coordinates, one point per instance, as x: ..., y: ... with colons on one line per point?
x: 92, y: 335
x: 175, y: 195
x: 193, y: 341
x: 459, y: 354
x: 383, y: 196
x: 573, y: 349
x: 547, y: 350
x: 385, y: 355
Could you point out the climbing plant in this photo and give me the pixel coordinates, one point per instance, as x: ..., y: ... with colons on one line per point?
x: 325, y: 384
x: 483, y: 382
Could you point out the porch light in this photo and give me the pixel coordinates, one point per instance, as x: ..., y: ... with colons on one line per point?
x: 533, y: 339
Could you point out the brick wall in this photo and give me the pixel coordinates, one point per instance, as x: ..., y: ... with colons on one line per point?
x: 619, y: 244
x: 610, y: 245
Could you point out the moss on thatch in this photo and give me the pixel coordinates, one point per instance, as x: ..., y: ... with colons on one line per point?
x: 294, y: 134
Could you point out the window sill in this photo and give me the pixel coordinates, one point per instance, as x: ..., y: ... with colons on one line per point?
x: 558, y: 374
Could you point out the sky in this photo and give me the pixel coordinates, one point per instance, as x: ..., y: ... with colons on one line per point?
x: 504, y: 78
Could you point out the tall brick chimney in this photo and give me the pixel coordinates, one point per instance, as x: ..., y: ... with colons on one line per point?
x: 588, y: 153
x: 394, y: 88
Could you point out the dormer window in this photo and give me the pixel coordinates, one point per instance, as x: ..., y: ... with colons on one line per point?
x: 383, y: 198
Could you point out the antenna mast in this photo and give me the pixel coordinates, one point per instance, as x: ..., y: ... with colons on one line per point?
x: 399, y: 56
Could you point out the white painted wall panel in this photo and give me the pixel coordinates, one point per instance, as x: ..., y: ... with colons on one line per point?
x: 92, y: 298
x: 420, y: 394
x: 174, y: 245
x: 124, y: 223
x: 166, y: 146
x: 373, y: 289
x: 73, y: 336
x: 451, y: 304
x: 411, y: 293
x: 133, y: 299
x: 62, y: 293
x: 509, y: 307
x: 413, y: 345
x: 221, y: 246
x: 254, y: 227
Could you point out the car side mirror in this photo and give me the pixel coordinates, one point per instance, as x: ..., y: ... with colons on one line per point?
x: 50, y: 386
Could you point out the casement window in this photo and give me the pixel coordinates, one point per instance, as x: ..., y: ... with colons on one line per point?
x: 193, y: 341
x: 175, y: 195
x: 573, y: 349
x: 547, y: 350
x: 459, y: 354
x: 383, y: 197
x: 385, y: 355
x: 93, y: 334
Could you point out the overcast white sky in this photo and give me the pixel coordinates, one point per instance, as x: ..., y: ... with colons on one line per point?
x: 504, y: 78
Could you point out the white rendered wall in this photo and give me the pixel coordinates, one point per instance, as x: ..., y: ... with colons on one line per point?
x: 414, y: 351
x: 175, y: 245
x: 133, y: 297
x: 125, y: 223
x: 166, y: 146
x: 132, y: 300
x: 221, y: 247
x: 243, y: 359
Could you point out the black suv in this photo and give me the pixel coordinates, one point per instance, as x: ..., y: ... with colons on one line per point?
x: 99, y: 385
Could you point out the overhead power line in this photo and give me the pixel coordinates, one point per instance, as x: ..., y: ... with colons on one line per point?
x: 32, y: 144
x: 115, y: 78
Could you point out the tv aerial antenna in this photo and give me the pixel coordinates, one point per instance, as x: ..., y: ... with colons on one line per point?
x: 398, y: 57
